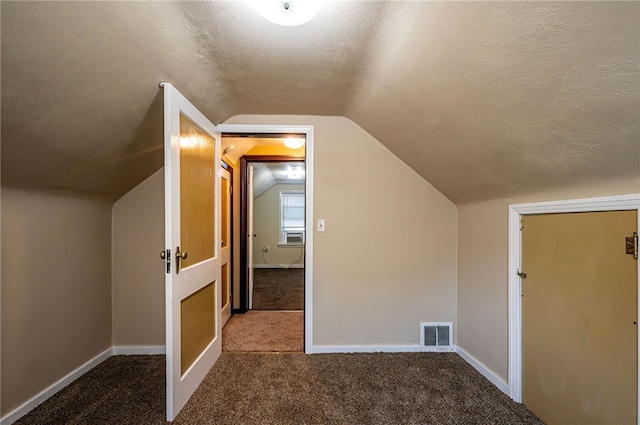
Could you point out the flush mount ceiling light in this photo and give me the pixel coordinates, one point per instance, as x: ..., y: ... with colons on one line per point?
x: 293, y: 142
x: 288, y: 13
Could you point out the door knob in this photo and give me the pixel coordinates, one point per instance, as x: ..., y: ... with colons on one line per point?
x: 180, y: 256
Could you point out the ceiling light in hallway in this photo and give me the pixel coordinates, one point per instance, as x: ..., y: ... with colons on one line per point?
x: 293, y: 142
x: 288, y: 13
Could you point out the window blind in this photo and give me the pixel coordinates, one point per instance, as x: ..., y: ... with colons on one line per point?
x: 292, y: 211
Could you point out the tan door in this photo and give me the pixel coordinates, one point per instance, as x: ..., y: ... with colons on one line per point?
x: 225, y: 244
x: 192, y: 248
x: 579, y: 307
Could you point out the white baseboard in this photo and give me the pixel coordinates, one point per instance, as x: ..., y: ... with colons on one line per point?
x: 325, y: 349
x: 41, y: 397
x: 269, y: 266
x: 484, y: 370
x: 127, y: 350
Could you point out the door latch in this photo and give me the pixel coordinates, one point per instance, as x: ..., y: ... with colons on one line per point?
x: 631, y: 245
x: 166, y: 255
x: 521, y: 274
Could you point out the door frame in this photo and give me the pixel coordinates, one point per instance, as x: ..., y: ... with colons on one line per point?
x: 516, y: 211
x: 308, y: 131
x: 244, y: 217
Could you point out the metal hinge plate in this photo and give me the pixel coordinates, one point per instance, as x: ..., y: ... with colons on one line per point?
x: 631, y: 245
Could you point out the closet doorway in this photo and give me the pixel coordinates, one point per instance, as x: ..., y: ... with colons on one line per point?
x: 276, y: 233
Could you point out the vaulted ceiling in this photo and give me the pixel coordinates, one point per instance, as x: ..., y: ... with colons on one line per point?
x: 483, y: 99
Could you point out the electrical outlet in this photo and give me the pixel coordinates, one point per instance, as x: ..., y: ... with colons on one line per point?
x: 265, y: 249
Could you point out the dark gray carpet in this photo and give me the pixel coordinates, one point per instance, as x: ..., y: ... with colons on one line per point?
x: 407, y: 388
x: 278, y: 289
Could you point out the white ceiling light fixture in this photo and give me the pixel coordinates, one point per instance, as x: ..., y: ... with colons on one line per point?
x: 296, y: 174
x: 288, y: 13
x: 293, y: 142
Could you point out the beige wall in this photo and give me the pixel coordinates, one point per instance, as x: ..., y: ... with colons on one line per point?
x: 56, y: 289
x: 482, y: 269
x: 137, y: 270
x: 387, y: 260
x: 266, y: 223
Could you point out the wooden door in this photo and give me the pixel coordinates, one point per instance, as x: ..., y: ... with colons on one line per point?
x: 579, y: 313
x: 192, y: 248
x: 225, y: 244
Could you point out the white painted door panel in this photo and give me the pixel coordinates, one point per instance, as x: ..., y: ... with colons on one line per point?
x: 192, y: 225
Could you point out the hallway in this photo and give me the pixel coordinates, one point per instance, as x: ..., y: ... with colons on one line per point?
x: 264, y: 331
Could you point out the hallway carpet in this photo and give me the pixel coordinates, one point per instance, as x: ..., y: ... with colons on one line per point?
x: 264, y: 331
x: 278, y: 289
x: 279, y: 389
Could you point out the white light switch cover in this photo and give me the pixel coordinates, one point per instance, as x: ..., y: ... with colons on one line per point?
x: 320, y: 225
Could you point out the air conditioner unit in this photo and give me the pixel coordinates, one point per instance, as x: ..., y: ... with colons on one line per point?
x: 294, y: 238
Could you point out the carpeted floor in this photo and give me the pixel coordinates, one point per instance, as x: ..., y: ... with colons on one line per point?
x: 264, y: 331
x: 247, y: 389
x: 121, y: 390
x: 278, y: 289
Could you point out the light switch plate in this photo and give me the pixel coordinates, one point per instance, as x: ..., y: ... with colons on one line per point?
x: 320, y: 225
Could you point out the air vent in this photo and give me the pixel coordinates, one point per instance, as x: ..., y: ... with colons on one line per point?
x: 436, y: 336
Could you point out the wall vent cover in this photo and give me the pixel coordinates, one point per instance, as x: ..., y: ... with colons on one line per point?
x: 437, y: 336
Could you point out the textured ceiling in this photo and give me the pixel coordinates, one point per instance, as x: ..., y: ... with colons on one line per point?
x: 483, y: 99
x: 268, y: 174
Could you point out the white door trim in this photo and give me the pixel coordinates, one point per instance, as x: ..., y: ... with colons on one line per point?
x: 308, y: 161
x: 516, y: 211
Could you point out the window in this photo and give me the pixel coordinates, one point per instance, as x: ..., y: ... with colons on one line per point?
x: 292, y: 217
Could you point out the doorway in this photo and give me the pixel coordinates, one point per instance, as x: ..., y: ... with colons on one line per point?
x: 516, y: 213
x: 271, y: 281
x: 273, y: 219
x: 276, y: 208
x: 272, y: 257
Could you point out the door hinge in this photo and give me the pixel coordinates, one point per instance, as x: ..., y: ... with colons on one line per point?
x: 230, y: 190
x: 521, y: 274
x: 631, y: 245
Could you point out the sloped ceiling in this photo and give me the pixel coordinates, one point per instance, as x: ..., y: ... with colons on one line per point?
x: 483, y: 99
x: 268, y: 174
